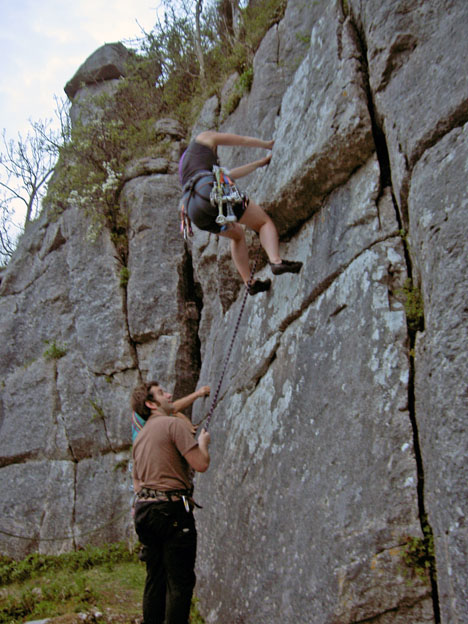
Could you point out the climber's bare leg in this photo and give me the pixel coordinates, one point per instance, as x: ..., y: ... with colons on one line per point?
x: 257, y: 219
x: 239, y: 251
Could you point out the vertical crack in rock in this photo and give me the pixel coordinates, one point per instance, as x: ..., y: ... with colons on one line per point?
x: 57, y: 413
x: 119, y: 235
x: 190, y: 304
x: 386, y: 181
x: 278, y: 47
x: 131, y: 342
x: 58, y: 418
x: 106, y: 433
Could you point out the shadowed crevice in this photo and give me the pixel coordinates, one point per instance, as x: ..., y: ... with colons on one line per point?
x: 189, y: 304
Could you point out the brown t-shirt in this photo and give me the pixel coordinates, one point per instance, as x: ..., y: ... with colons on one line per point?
x: 158, y: 455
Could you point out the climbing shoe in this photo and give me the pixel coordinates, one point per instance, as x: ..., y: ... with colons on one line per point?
x: 285, y: 266
x: 259, y: 286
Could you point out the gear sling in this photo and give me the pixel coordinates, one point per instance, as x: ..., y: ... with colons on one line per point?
x: 223, y: 194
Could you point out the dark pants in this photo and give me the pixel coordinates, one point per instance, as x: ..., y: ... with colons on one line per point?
x: 168, y: 532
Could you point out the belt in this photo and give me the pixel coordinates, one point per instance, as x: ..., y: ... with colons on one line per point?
x: 164, y: 495
x: 148, y: 495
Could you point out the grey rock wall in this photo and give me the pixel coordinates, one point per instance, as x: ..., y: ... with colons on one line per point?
x: 366, y: 86
x: 340, y: 430
x: 75, y: 344
x: 438, y: 209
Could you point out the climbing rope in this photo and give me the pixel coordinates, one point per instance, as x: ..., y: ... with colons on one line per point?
x: 228, y: 355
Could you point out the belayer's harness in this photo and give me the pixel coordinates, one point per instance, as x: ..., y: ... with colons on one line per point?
x: 224, y: 194
x: 167, y: 496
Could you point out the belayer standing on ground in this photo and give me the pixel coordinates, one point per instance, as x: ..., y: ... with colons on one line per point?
x: 200, y: 157
x: 163, y: 453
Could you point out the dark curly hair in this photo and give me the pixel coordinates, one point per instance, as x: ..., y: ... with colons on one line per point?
x: 140, y: 395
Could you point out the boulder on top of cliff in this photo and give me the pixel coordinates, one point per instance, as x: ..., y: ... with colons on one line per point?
x: 106, y: 63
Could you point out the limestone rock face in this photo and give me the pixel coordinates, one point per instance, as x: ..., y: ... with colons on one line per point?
x: 208, y: 118
x: 83, y: 108
x: 424, y: 46
x: 76, y: 344
x: 438, y: 208
x: 106, y: 63
x: 169, y: 128
x: 339, y: 440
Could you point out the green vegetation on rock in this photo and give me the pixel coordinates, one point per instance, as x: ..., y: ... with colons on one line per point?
x: 106, y: 582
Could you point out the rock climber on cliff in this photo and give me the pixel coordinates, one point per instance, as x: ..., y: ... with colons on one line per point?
x: 139, y: 420
x: 164, y: 453
x: 197, y: 179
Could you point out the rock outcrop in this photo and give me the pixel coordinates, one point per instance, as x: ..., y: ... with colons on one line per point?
x: 107, y: 63
x: 340, y: 436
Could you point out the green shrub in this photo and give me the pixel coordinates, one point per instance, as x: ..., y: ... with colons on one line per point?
x: 12, y: 571
x: 124, y: 276
x: 54, y: 351
x: 242, y: 86
x: 98, y: 411
x: 419, y: 554
x: 414, y: 305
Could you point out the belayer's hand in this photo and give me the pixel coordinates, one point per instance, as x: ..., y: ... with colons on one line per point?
x: 204, y: 439
x: 203, y: 391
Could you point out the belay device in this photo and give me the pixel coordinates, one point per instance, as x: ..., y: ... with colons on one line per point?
x: 225, y: 193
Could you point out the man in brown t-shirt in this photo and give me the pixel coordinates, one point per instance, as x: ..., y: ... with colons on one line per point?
x: 163, y: 454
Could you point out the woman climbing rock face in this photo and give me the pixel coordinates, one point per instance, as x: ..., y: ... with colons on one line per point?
x: 197, y: 179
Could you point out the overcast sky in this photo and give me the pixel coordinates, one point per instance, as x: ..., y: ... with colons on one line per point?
x: 43, y: 42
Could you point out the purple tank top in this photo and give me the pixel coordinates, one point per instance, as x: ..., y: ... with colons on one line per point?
x: 197, y: 157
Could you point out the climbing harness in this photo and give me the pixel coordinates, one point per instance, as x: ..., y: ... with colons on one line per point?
x: 165, y: 496
x: 214, y: 401
x: 187, y: 192
x: 225, y: 194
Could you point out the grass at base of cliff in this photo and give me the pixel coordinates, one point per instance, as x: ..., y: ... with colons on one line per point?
x: 105, y: 592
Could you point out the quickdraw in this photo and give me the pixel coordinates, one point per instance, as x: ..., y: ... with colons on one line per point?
x: 225, y: 193
x: 185, y: 223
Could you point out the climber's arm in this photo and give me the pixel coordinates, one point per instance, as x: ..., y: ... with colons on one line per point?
x: 243, y: 170
x: 212, y: 139
x: 184, y: 402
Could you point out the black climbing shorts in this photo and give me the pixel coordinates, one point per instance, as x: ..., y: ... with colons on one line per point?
x: 199, y: 208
